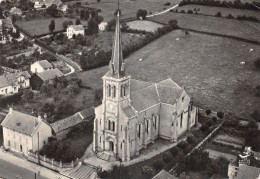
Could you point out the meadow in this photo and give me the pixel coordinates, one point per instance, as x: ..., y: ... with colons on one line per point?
x: 208, y: 67
x: 148, y: 26
x: 210, y: 10
x: 231, y: 27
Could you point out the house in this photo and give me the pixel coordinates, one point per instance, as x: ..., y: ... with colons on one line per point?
x: 243, y: 171
x: 164, y: 175
x: 46, y: 3
x: 63, y: 7
x: 135, y: 113
x: 10, y: 83
x: 23, y: 132
x: 15, y: 11
x: 38, y: 78
x: 75, y: 30
x: 62, y: 127
x: 41, y: 66
x: 102, y: 26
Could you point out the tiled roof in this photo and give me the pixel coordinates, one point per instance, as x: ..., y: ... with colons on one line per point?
x: 45, y: 64
x: 87, y: 112
x: 164, y: 175
x: 66, y: 123
x: 20, y: 122
x: 81, y: 172
x: 144, y: 98
x: 128, y: 111
x: 167, y: 94
x: 10, y: 79
x: 77, y: 27
x: 50, y: 74
x: 137, y: 85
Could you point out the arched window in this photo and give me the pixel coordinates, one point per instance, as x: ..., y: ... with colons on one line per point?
x: 147, y: 125
x: 109, y: 125
x: 181, y: 119
x: 124, y: 90
x: 121, y: 145
x: 155, y: 121
x: 114, y: 91
x: 139, y: 130
x: 113, y: 126
x: 109, y: 90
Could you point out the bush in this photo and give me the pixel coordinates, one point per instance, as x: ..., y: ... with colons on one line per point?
x: 148, y: 172
x: 174, y: 151
x: 183, y: 144
x: 209, y: 122
x: 204, y: 128
x: 220, y: 114
x: 218, y: 14
x: 158, y: 165
x: 191, y: 139
x: 167, y: 4
x: 190, y: 11
x: 214, y: 119
x: 166, y: 158
x: 208, y: 111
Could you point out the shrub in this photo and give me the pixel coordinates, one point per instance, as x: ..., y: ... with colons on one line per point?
x: 174, y: 151
x: 209, y: 122
x: 214, y: 119
x: 191, y: 139
x: 256, y: 115
x: 167, y: 4
x: 208, y: 111
x: 220, y: 114
x: 166, y: 158
x: 148, y: 172
x: 204, y: 128
x: 187, y: 150
x: 183, y: 144
x: 190, y: 11
x: 158, y: 165
x: 218, y: 14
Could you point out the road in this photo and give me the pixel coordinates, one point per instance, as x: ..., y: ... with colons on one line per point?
x: 10, y: 171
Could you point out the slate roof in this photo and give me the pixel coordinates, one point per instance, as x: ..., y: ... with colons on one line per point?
x: 128, y: 111
x: 169, y: 82
x: 45, y: 64
x: 77, y: 27
x: 164, y: 175
x: 10, y: 79
x: 66, y: 123
x: 167, y: 94
x: 87, y: 113
x: 137, y: 85
x: 81, y: 172
x: 20, y: 122
x: 50, y: 74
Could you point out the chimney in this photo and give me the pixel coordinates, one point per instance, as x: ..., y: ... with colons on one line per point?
x: 45, y: 116
x: 10, y: 109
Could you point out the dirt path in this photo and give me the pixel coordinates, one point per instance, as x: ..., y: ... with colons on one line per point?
x: 165, y: 11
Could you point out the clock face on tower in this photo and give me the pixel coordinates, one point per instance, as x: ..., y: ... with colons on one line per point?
x: 111, y: 107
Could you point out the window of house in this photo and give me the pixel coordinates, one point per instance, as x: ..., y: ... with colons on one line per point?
x: 113, y: 126
x: 121, y: 127
x: 147, y: 126
x: 139, y: 131
x: 114, y: 92
x: 181, y: 119
x: 109, y: 125
x: 155, y: 122
x: 182, y: 99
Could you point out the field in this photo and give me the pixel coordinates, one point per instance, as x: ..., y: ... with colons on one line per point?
x: 41, y: 26
x: 129, y: 8
x: 233, y: 27
x: 235, y: 142
x: 215, y: 154
x: 148, y: 26
x: 207, y: 66
x: 209, y: 10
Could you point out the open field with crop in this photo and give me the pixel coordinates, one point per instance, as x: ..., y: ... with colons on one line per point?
x: 129, y: 8
x: 232, y: 27
x: 210, y: 10
x: 227, y: 140
x: 41, y: 26
x: 148, y: 26
x: 207, y: 66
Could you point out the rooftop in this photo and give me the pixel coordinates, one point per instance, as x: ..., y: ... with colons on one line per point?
x: 11, y: 79
x: 44, y: 64
x: 77, y: 27
x: 164, y: 175
x: 50, y: 74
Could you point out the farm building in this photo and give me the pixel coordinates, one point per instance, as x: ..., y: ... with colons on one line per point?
x: 38, y: 78
x: 22, y: 132
x: 41, y: 66
x: 102, y: 26
x: 64, y: 126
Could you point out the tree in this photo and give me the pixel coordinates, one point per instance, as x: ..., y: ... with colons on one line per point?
x: 52, y: 10
x: 82, y: 14
x: 173, y: 23
x: 27, y: 95
x: 52, y: 26
x: 141, y: 13
x: 98, y: 1
x: 218, y: 14
x: 92, y: 26
x: 208, y: 111
x: 78, y: 22
x: 257, y: 64
x: 86, y: 14
x: 65, y: 24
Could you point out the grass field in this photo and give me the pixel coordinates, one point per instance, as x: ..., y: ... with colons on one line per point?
x: 41, y: 26
x: 207, y: 66
x: 233, y: 27
x: 148, y: 26
x: 129, y: 8
x: 209, y: 10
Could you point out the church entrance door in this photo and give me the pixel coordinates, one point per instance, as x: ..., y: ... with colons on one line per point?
x: 111, y: 146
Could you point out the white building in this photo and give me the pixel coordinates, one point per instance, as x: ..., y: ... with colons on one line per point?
x: 41, y: 66
x: 75, y: 30
x: 10, y: 83
x: 23, y: 133
x: 102, y: 26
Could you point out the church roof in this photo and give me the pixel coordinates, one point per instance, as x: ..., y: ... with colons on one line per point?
x: 167, y: 94
x: 137, y: 85
x: 164, y: 175
x: 128, y: 111
x: 169, y: 82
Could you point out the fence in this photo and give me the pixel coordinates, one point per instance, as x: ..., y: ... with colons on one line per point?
x: 50, y: 163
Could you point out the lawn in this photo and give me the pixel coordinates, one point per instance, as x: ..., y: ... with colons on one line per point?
x: 210, y: 10
x: 233, y: 27
x: 148, y: 26
x: 129, y: 8
x: 41, y: 25
x: 207, y: 66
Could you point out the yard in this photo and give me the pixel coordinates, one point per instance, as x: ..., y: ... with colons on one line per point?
x: 232, y: 27
x: 210, y: 10
x: 41, y: 25
x: 207, y: 66
x: 148, y: 26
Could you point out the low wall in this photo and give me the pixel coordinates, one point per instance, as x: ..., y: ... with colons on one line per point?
x: 50, y: 163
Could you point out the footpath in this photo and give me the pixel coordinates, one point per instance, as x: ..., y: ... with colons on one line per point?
x: 30, y: 166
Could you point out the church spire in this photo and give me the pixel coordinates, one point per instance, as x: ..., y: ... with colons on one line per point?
x: 117, y: 66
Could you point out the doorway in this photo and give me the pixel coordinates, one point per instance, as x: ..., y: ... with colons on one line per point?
x: 111, y: 146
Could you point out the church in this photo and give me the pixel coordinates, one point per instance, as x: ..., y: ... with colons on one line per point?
x: 135, y: 113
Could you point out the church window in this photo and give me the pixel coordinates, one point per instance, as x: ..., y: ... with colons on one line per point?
x: 121, y: 145
x: 114, y: 91
x: 125, y: 90
x: 182, y: 99
x: 147, y: 125
x: 155, y: 122
x: 122, y: 91
x: 99, y: 139
x: 109, y: 125
x: 139, y: 131
x: 113, y: 126
x: 181, y: 119
x: 109, y: 90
